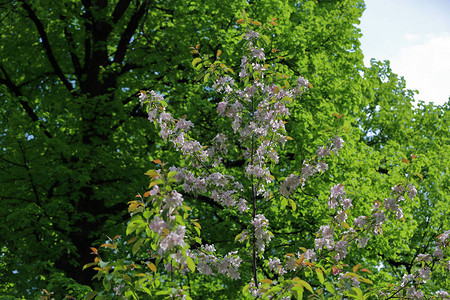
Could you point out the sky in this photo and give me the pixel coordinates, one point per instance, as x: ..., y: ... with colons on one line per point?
x: 414, y: 35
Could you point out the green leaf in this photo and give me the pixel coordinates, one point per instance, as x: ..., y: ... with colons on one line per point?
x: 171, y: 174
x: 106, y: 284
x: 330, y: 288
x: 306, y: 285
x: 191, y: 264
x: 152, y: 173
x: 297, y: 291
x: 237, y: 237
x: 358, y: 293
x: 147, y: 214
x: 136, y: 245
x: 160, y: 293
x: 89, y: 265
x: 196, y: 61
x: 320, y: 275
x: 91, y: 295
x: 293, y: 205
x: 206, y: 77
x: 266, y: 39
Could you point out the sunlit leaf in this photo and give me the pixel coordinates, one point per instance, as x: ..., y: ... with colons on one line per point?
x: 152, y: 266
x: 356, y: 268
x: 191, y: 264
x: 196, y: 61
x: 320, y: 275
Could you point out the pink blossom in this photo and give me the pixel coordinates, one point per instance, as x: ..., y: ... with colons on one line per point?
x: 258, y: 53
x: 424, y: 257
x: 143, y: 97
x: 182, y: 124
x: 152, y: 114
x: 307, y: 170
x: 346, y: 203
x: 337, y: 190
x: 260, y: 223
x: 257, y: 171
x: 154, y: 191
x: 251, y: 35
x: 310, y: 255
x: 322, y: 152
x: 412, y: 191
x: 438, y: 253
x: 221, y: 107
x: 442, y: 294
x: 341, y: 216
x: 415, y: 294
x: 291, y: 263
x: 327, y: 240
x: 424, y: 273
x: 289, y: 185
x: 338, y: 144
x: 175, y: 238
x: 398, y: 189
x: 174, y: 200
x: 332, y: 203
x: 321, y: 166
x: 158, y: 225
x: 229, y: 266
x: 341, y: 249
x: 301, y: 81
x: 360, y: 222
x: 242, y: 205
x: 362, y: 241
x: 274, y: 263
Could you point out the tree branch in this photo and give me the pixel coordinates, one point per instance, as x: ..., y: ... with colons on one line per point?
x: 46, y: 44
x: 18, y: 93
x: 129, y: 31
x: 119, y: 10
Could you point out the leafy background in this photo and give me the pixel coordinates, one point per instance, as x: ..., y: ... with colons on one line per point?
x: 75, y: 143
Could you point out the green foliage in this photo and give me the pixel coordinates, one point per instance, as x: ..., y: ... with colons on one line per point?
x: 75, y: 144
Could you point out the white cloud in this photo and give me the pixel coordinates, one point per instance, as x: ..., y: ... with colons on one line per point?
x: 426, y: 68
x: 411, y: 37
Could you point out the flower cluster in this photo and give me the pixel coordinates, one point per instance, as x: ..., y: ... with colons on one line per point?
x: 256, y: 105
x: 260, y: 225
x: 228, y: 265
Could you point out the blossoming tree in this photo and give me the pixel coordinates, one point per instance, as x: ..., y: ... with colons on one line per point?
x: 240, y: 172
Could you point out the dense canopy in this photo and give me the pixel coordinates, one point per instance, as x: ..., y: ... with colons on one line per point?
x: 75, y: 141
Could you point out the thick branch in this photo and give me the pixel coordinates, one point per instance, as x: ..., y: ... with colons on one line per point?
x: 71, y: 45
x: 18, y: 93
x: 119, y: 10
x: 129, y: 31
x: 46, y: 44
